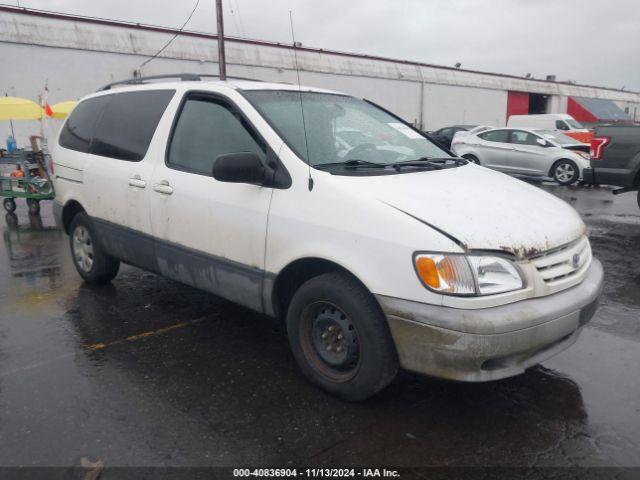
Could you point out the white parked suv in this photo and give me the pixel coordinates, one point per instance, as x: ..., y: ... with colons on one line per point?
x: 392, y: 253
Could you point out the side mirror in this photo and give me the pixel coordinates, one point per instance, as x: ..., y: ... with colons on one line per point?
x: 542, y: 142
x: 243, y: 167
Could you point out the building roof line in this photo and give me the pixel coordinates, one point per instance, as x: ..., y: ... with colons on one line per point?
x: 191, y: 33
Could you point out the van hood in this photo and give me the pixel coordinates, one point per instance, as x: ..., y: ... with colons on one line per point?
x: 478, y: 208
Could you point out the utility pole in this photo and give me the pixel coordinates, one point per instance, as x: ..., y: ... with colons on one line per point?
x: 222, y: 61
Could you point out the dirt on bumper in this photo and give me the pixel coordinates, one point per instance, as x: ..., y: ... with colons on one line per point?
x: 470, y: 356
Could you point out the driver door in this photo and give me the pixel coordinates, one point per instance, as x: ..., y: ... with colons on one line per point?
x: 210, y: 234
x: 528, y: 156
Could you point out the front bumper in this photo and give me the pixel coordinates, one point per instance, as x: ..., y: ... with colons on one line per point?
x: 465, y: 354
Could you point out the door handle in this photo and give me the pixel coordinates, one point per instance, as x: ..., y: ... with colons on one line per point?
x: 163, y: 187
x: 136, y: 181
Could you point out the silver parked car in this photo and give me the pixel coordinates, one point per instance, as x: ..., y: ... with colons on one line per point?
x: 525, y: 152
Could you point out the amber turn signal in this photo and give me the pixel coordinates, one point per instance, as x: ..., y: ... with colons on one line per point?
x: 428, y: 272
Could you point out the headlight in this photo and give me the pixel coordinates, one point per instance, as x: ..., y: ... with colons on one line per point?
x: 467, y: 275
x: 584, y: 155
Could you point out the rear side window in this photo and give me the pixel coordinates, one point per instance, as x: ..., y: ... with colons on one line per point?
x: 495, y: 136
x: 206, y: 129
x: 78, y: 129
x: 126, y: 127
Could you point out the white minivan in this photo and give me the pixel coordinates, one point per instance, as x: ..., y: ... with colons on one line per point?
x: 379, y: 250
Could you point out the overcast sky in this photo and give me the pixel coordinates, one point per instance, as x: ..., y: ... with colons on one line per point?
x: 590, y: 41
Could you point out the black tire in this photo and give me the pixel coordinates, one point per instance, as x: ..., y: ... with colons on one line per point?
x: 9, y: 205
x: 471, y: 158
x: 101, y: 268
x: 561, y: 168
x: 34, y: 206
x: 337, y: 300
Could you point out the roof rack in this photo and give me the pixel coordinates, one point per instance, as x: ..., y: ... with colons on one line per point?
x: 183, y: 77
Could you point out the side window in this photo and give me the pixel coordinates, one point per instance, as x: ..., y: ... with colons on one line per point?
x: 560, y: 125
x: 446, y: 133
x: 501, y: 136
x: 78, y: 129
x: 128, y: 123
x: 206, y: 129
x: 523, y: 138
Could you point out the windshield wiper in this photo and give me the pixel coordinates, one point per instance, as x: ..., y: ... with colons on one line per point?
x: 423, y: 162
x: 443, y: 160
x: 352, y: 164
x: 429, y: 162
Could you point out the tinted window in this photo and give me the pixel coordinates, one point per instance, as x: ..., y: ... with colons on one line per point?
x: 560, y: 125
x: 205, y: 130
x: 495, y: 136
x: 78, y: 129
x: 523, y: 138
x: 128, y: 123
x: 445, y: 133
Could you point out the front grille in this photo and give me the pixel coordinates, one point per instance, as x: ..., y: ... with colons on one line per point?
x: 563, y: 262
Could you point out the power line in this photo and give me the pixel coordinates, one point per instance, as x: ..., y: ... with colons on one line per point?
x: 174, y: 37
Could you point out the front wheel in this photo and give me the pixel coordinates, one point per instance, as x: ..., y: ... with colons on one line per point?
x: 9, y: 205
x: 91, y: 261
x: 565, y: 172
x: 340, y: 337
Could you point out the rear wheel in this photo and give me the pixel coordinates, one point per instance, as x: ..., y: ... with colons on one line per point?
x: 565, y: 172
x: 9, y: 205
x: 34, y: 206
x: 471, y: 158
x: 340, y: 337
x: 89, y: 258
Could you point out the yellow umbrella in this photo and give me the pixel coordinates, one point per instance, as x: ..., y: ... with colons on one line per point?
x: 62, y: 109
x: 14, y: 108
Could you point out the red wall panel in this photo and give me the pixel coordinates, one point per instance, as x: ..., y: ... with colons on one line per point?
x: 578, y: 112
x: 517, y: 103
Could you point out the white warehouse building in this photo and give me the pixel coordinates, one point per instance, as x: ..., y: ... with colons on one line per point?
x: 75, y: 56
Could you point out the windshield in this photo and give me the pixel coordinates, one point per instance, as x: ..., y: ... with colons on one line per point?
x: 557, y: 137
x: 573, y: 124
x: 340, y: 128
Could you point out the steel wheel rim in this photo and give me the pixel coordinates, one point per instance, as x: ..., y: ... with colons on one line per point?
x: 330, y: 341
x: 82, y: 249
x: 565, y: 172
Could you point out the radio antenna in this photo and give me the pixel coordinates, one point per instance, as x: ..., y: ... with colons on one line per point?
x: 304, y: 124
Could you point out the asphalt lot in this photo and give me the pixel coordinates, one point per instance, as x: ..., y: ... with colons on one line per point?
x: 148, y: 372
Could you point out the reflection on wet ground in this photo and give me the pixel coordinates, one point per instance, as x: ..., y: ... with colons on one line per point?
x: 150, y: 372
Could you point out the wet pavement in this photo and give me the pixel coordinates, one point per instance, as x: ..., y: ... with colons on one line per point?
x: 147, y: 372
